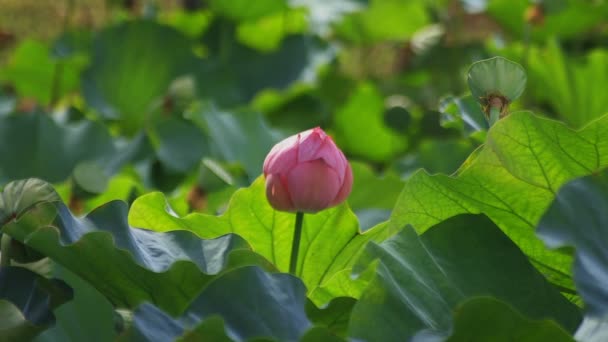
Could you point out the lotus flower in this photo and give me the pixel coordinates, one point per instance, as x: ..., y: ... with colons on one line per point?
x: 307, y: 172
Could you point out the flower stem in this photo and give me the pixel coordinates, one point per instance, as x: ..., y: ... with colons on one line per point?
x: 295, y: 246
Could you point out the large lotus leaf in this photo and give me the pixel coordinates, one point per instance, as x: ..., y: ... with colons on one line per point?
x: 266, y: 34
x: 247, y: 10
x: 330, y: 238
x: 334, y: 316
x: 27, y: 301
x: 373, y: 196
x: 371, y: 190
x: 233, y: 74
x: 265, y: 305
x: 592, y: 329
x: 384, y: 20
x: 512, y: 180
x: 8, y: 103
x: 181, y: 145
x: 88, y: 317
x: 360, y: 128
x: 571, y: 21
x: 35, y: 74
x: 97, y: 176
x: 251, y: 303
x: 322, y: 14
x: 487, y: 319
x: 571, y: 86
x: 29, y: 146
x: 578, y: 217
x: 179, y: 264
x: 152, y: 324
x: 420, y: 280
x: 132, y: 66
x: 243, y: 137
x: 211, y: 329
x: 436, y: 156
x: 319, y: 333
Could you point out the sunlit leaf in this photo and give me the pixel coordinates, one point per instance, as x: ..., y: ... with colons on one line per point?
x: 360, y: 128
x: 330, y: 238
x: 572, y: 87
x: 512, y: 179
x: 384, y: 20
x: 247, y: 10
x: 35, y: 74
x: 373, y: 196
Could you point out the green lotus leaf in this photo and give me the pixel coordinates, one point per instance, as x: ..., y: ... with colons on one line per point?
x: 512, y: 179
x: 421, y: 280
x: 179, y: 264
x: 577, y: 217
x: 27, y: 301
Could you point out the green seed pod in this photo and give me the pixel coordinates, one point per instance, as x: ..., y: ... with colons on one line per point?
x: 495, y: 83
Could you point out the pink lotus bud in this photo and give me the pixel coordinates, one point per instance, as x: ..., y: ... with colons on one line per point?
x: 307, y: 172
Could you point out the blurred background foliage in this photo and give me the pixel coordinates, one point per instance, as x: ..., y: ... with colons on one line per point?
x: 111, y: 99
